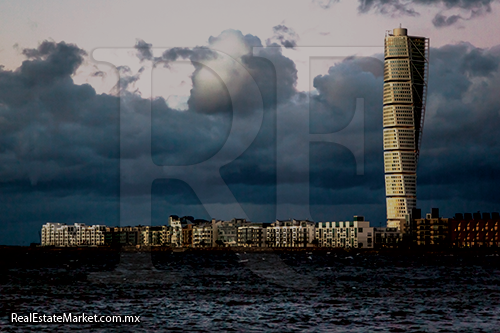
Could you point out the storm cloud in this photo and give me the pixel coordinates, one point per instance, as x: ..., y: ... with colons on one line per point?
x: 470, y: 8
x: 60, y: 141
x: 283, y: 35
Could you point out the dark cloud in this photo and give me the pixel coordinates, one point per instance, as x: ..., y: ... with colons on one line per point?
x: 391, y: 7
x: 458, y: 159
x: 333, y: 167
x: 52, y: 128
x: 196, y: 54
x: 60, y: 149
x: 127, y: 78
x: 325, y: 4
x: 184, y: 138
x: 209, y: 94
x: 60, y: 139
x: 99, y: 74
x: 50, y: 62
x: 458, y: 150
x: 333, y: 108
x: 285, y: 36
x: 460, y: 64
x: 443, y: 21
x: 474, y: 8
x: 464, y: 4
x: 477, y: 62
x: 406, y: 7
x: 143, y: 50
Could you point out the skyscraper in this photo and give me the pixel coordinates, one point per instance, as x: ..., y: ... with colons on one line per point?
x: 405, y: 89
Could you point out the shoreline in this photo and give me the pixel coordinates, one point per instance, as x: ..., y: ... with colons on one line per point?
x: 314, y: 250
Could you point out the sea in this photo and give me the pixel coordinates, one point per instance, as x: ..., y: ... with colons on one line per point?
x: 238, y: 291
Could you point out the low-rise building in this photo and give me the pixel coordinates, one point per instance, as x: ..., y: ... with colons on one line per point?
x: 386, y: 237
x: 124, y: 236
x: 475, y: 230
x: 51, y: 233
x: 253, y: 235
x: 290, y: 233
x: 130, y: 235
x: 176, y: 231
x: 187, y: 235
x: 432, y: 230
x: 202, y: 235
x: 112, y: 236
x: 225, y: 233
x: 151, y: 236
x: 166, y: 235
x: 348, y: 234
x: 59, y: 234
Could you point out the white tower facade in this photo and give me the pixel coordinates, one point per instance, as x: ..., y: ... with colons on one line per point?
x: 405, y: 89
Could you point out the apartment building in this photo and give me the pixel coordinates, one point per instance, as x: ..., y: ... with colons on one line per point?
x: 432, y: 230
x: 475, y: 230
x: 253, y: 235
x: 225, y: 233
x: 387, y: 237
x: 202, y: 235
x: 290, y: 233
x: 78, y: 234
x: 348, y: 234
x: 150, y: 236
x: 176, y: 239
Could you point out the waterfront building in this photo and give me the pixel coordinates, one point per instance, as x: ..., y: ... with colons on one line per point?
x: 150, y: 236
x: 387, y: 237
x: 175, y: 231
x: 348, y: 234
x: 405, y: 91
x: 130, y: 235
x: 187, y: 235
x: 226, y: 232
x: 432, y: 230
x: 112, y: 236
x: 290, y: 233
x: 166, y: 235
x: 202, y: 235
x: 59, y: 234
x: 475, y: 230
x: 51, y: 233
x: 253, y: 235
x: 125, y: 236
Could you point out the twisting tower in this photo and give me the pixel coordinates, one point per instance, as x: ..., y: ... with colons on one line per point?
x: 405, y: 90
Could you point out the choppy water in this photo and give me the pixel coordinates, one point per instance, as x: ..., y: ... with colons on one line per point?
x: 264, y: 292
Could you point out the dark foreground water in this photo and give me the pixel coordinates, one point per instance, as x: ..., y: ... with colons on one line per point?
x: 261, y: 292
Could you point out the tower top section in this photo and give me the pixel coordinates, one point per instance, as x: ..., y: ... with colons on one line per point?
x: 400, y: 32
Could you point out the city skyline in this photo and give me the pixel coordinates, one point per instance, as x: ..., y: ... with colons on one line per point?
x: 63, y: 137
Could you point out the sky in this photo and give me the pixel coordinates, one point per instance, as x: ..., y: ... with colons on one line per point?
x: 126, y: 112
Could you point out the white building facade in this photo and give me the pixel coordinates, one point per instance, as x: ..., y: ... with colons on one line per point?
x: 175, y: 231
x: 59, y: 234
x: 348, y: 234
x: 151, y: 236
x: 290, y: 233
x: 203, y: 235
